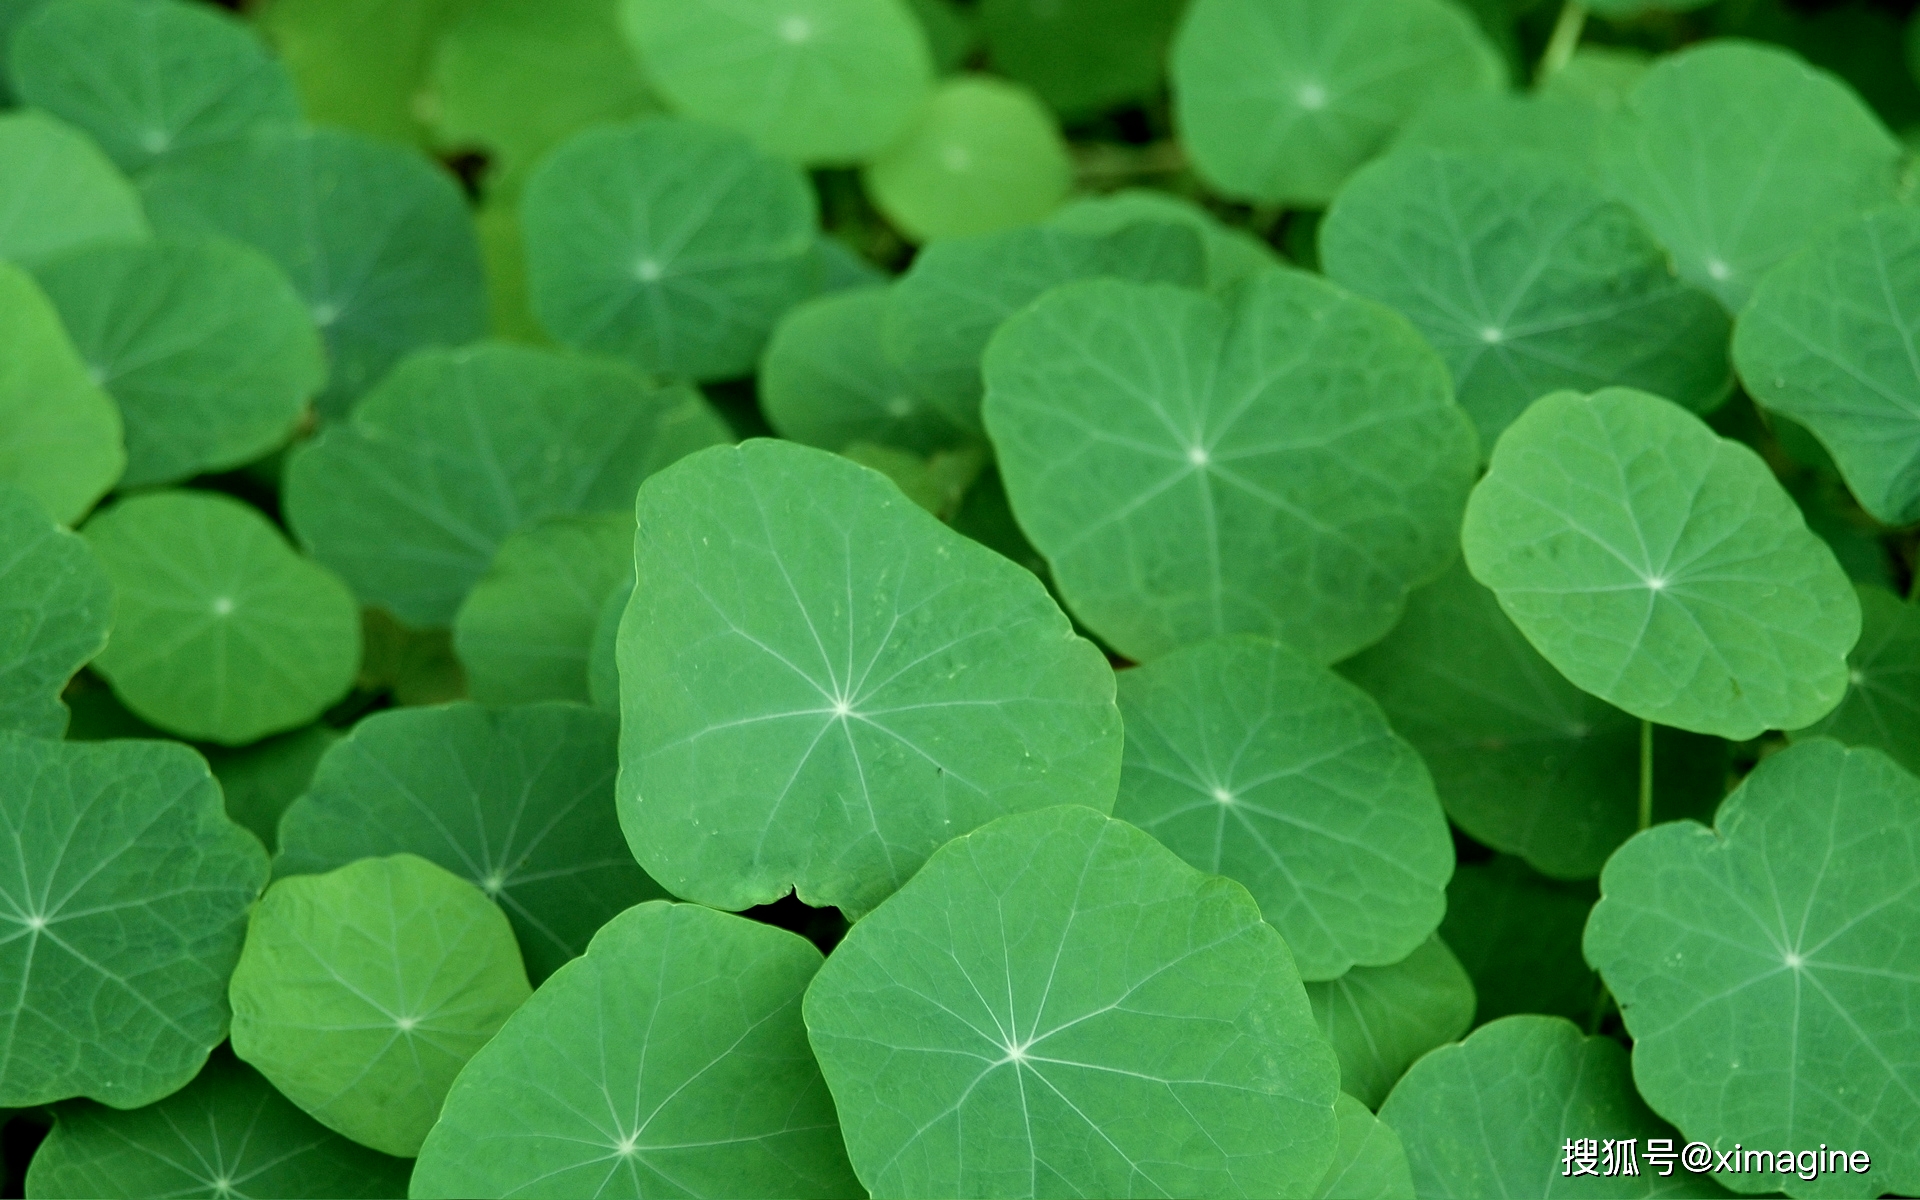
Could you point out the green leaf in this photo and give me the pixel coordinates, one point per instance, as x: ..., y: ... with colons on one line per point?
x: 56, y: 604
x: 1056, y: 1005
x: 1249, y: 761
x: 413, y: 666
x: 1601, y: 76
x: 411, y: 498
x: 1660, y: 567
x: 817, y: 81
x: 122, y: 910
x: 1380, y: 1020
x: 603, y: 658
x: 151, y: 80
x: 206, y: 347
x: 221, y: 631
x: 519, y: 801
x: 937, y: 483
x: 1082, y: 58
x: 58, y: 191
x: 261, y: 780
x: 1829, y: 341
x: 1767, y: 967
x: 1617, y: 9
x: 376, y: 239
x: 13, y: 14
x: 1287, y: 461
x: 361, y: 993
x: 1518, y: 935
x: 726, y: 1102
x: 952, y: 32
x: 1882, y: 705
x: 228, y: 1133
x: 1232, y: 253
x: 1563, y: 130
x: 361, y: 64
x: 59, y: 433
x: 1369, y: 1163
x: 1737, y: 154
x: 672, y: 244
x: 820, y: 684
x: 982, y: 156
x: 1279, y: 101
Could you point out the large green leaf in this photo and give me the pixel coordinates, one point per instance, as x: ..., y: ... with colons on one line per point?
x: 1056, y: 1005
x: 60, y: 435
x: 1738, y: 154
x: 1882, y: 705
x: 1281, y: 100
x: 376, y: 239
x: 1288, y: 461
x: 122, y: 908
x: 57, y: 190
x: 1526, y: 278
x: 1369, y: 1163
x: 670, y: 243
x: 221, y: 631
x: 1379, y: 1020
x: 1517, y: 933
x: 1082, y: 57
x: 1767, y: 968
x: 519, y: 801
x: 362, y: 992
x: 411, y: 498
x: 150, y: 81
x: 361, y: 64
x: 56, y: 604
x: 1232, y: 253
x: 1661, y: 567
x: 1249, y: 761
x: 725, y: 1101
x: 226, y: 1134
x: 821, y: 683
x: 210, y: 353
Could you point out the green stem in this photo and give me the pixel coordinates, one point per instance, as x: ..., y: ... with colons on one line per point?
x: 1564, y: 40
x: 1646, y: 774
x: 1601, y: 1001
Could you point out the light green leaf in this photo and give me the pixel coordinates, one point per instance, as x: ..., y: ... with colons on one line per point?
x: 1379, y: 1020
x: 361, y: 64
x: 519, y: 801
x: 56, y: 604
x: 1287, y: 461
x: 1566, y: 131
x: 221, y: 631
x: 1518, y: 935
x: 410, y: 499
x: 820, y: 684
x: 226, y: 1134
x: 122, y: 910
x: 1737, y: 154
x: 149, y: 81
x: 1232, y: 254
x: 261, y: 780
x: 1056, y: 1005
x: 1369, y: 1163
x: 1249, y: 761
x: 1767, y: 967
x: 1280, y: 100
x: 1660, y: 567
x: 60, y: 435
x: 983, y: 155
x: 361, y: 993
x: 208, y: 350
x: 672, y: 244
x: 726, y: 1102
x: 1882, y: 705
x: 1082, y: 58
x: 58, y: 191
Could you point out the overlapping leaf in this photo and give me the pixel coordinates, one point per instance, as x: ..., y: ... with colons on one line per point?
x: 1369, y: 1163
x: 1380, y: 1020
x: 56, y: 604
x: 1882, y: 705
x: 60, y: 435
x: 360, y: 64
x: 1232, y: 254
x: 1081, y: 58
x: 57, y: 190
x: 1517, y: 933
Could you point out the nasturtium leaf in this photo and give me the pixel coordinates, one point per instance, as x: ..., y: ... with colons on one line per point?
x: 503, y: 253
x: 362, y: 992
x: 982, y: 156
x: 952, y: 32
x: 151, y: 80
x: 1737, y: 154
x: 56, y: 604
x: 260, y: 781
x: 1661, y: 567
x: 1563, y: 130
x: 1081, y: 57
x: 122, y: 909
x: 412, y: 666
x: 226, y: 1134
x: 816, y: 81
x: 221, y: 631
x: 361, y: 64
x: 1882, y: 705
x: 603, y: 657
x: 821, y: 683
x: 1522, y: 759
x: 1057, y: 1005
x: 669, y: 1061
x: 1369, y: 1163
x: 1232, y: 254
x: 57, y: 190
x: 1287, y: 461
x: 411, y: 497
x: 1250, y: 761
x: 1379, y: 1020
x: 60, y: 435
x: 13, y: 14
x: 670, y: 243
x: 1517, y: 933
x: 1767, y: 968
x: 1490, y: 1116
x: 518, y: 800
x: 1600, y: 76
x: 1829, y: 341
x: 376, y: 239
x: 210, y: 353
x: 937, y: 483
x: 1281, y: 100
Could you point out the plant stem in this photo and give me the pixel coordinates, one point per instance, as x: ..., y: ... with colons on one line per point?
x: 1601, y: 1001
x: 1565, y: 38
x: 1646, y: 774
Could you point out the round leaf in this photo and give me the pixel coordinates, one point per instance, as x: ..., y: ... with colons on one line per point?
x: 1517, y: 933
x: 56, y: 604
x: 1369, y: 1162
x: 59, y: 433
x: 1232, y: 253
x: 821, y: 683
x: 58, y: 191
x: 1288, y: 461
x: 221, y: 632
x: 1082, y: 58
x: 1056, y: 1004
x: 1882, y: 705
x: 122, y: 910
x: 361, y: 993
x: 1660, y: 567
x: 1380, y: 1020
x: 669, y: 1061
